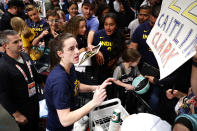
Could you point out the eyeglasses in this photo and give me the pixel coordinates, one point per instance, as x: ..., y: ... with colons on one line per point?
x: 53, y: 21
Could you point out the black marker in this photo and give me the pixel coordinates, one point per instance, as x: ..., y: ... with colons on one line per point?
x: 172, y: 90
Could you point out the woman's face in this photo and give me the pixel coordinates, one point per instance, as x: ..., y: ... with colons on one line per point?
x: 34, y: 15
x: 82, y: 28
x: 109, y: 25
x: 70, y: 54
x: 73, y: 10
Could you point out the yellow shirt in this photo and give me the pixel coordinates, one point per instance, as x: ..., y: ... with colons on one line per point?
x: 34, y: 53
x: 27, y: 41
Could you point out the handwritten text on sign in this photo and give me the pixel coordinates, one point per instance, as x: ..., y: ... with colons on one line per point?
x: 174, y: 36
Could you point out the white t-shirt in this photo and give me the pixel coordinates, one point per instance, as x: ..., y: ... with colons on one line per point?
x: 132, y: 26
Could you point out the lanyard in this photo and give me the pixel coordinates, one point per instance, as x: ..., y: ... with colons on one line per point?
x: 23, y: 73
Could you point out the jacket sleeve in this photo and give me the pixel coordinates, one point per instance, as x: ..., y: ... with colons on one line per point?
x: 5, y: 96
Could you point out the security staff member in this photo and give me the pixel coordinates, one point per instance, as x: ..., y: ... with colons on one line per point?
x: 18, y: 91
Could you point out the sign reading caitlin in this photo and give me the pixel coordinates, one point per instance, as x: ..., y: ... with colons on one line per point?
x: 174, y: 35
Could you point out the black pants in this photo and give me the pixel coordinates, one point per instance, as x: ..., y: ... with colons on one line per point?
x: 31, y: 112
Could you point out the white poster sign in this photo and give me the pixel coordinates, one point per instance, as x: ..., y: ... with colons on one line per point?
x: 174, y: 35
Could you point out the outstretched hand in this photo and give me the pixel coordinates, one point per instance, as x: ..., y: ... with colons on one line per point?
x: 90, y: 47
x: 150, y: 79
x: 99, y: 96
x: 107, y: 82
x: 100, y: 58
x: 100, y: 93
x: 45, y: 32
x: 170, y: 95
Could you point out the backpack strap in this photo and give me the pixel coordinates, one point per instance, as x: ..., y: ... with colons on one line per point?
x: 122, y: 69
x: 133, y: 70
